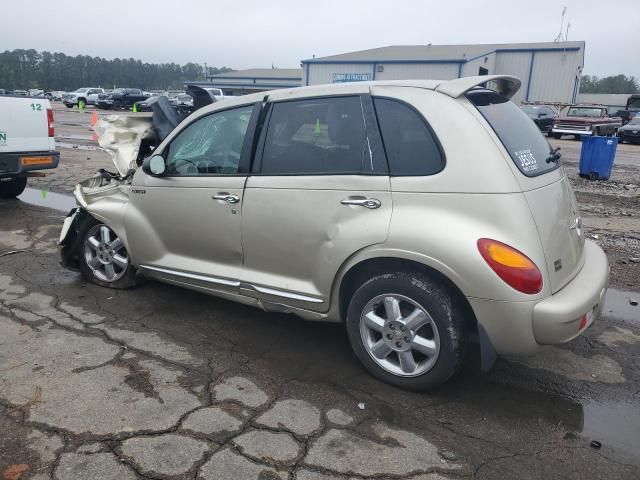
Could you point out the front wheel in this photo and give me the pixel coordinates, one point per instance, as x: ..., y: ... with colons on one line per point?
x: 69, y: 105
x: 406, y: 331
x: 13, y: 187
x: 557, y: 136
x: 104, y: 260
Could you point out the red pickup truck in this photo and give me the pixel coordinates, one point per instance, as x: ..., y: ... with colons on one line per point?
x: 582, y: 120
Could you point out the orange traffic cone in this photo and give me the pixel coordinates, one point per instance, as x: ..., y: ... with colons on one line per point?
x: 94, y: 118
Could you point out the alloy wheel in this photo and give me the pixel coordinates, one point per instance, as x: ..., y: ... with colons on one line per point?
x: 399, y: 335
x: 105, y: 254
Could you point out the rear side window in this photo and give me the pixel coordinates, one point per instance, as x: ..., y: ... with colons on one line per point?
x: 411, y: 146
x: 316, y: 136
x: 520, y: 136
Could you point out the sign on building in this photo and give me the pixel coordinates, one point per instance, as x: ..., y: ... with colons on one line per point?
x: 351, y: 77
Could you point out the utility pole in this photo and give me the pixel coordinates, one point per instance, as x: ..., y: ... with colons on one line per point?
x: 559, y: 37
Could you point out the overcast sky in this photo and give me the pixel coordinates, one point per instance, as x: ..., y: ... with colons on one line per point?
x: 259, y: 33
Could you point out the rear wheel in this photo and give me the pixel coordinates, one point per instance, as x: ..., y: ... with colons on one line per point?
x: 69, y: 105
x: 103, y: 258
x: 13, y: 187
x: 117, y: 104
x: 406, y: 331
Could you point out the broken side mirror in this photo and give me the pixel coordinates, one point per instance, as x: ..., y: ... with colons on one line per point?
x: 154, y: 165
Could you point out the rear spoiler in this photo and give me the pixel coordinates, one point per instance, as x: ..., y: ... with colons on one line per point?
x: 505, y: 85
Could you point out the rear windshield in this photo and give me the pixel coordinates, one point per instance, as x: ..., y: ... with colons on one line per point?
x: 519, y: 135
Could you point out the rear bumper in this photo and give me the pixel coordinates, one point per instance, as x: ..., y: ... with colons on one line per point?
x: 521, y: 328
x: 14, y: 164
x: 629, y: 136
x: 557, y: 319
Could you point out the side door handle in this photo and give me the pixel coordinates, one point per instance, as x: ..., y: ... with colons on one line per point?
x: 226, y: 197
x: 370, y: 203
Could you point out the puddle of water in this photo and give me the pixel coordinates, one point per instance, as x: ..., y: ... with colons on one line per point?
x: 615, y: 425
x: 616, y: 305
x: 42, y: 198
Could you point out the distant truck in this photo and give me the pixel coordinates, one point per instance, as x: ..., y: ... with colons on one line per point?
x: 633, y: 103
x: 86, y: 95
x: 26, y: 142
x: 120, y: 98
x: 583, y: 120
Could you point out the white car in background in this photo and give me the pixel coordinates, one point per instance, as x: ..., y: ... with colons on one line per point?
x: 88, y: 96
x: 217, y: 93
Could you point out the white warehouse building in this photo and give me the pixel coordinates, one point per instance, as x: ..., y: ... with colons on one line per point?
x: 550, y: 72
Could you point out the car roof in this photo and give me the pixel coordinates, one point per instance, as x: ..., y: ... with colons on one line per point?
x: 505, y: 84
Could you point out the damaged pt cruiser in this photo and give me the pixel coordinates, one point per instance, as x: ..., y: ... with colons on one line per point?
x: 360, y: 203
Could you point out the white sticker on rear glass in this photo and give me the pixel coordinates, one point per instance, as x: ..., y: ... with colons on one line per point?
x: 527, y: 161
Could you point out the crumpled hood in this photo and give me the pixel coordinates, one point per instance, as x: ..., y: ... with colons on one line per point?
x: 120, y: 136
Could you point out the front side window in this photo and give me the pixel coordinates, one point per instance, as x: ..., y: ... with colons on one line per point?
x: 317, y: 136
x: 410, y: 144
x: 209, y: 146
x: 521, y: 137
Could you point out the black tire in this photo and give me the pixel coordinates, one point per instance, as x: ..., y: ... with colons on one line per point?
x: 12, y: 188
x: 557, y: 136
x: 437, y: 302
x: 69, y: 105
x: 117, y: 104
x: 127, y: 280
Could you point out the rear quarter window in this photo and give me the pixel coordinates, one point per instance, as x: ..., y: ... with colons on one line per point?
x: 410, y: 144
x: 520, y: 136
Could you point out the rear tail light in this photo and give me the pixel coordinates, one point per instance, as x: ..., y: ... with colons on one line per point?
x: 512, y: 266
x: 50, y: 124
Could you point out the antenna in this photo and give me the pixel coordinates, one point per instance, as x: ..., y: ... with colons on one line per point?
x: 559, y: 37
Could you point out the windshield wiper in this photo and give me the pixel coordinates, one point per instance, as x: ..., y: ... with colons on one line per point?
x: 554, y: 155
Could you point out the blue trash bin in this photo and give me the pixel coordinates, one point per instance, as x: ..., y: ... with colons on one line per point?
x: 596, y: 157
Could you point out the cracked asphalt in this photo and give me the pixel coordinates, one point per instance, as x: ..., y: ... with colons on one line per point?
x: 164, y: 383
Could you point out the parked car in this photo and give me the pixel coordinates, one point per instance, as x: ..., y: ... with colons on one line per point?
x: 21, y: 93
x: 624, y: 115
x: 5, y: 92
x: 26, y: 142
x: 181, y: 100
x: 216, y: 92
x: 86, y: 95
x: 631, y: 131
x: 57, y: 95
x: 586, y: 120
x: 360, y: 203
x: 120, y: 98
x: 633, y: 103
x: 542, y: 115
